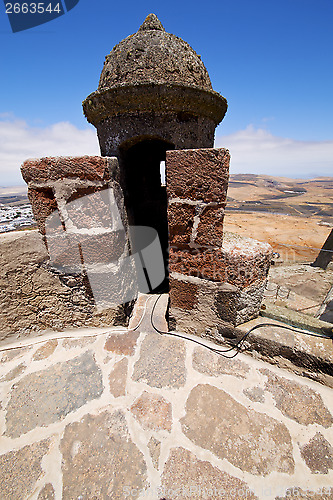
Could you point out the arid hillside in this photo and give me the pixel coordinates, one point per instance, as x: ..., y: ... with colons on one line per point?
x: 294, y: 215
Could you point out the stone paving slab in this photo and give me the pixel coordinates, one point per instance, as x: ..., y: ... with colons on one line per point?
x: 113, y: 414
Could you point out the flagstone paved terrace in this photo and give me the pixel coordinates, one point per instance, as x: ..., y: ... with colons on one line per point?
x: 116, y: 414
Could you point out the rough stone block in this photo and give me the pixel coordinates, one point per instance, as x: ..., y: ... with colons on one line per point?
x: 91, y: 208
x: 102, y: 248
x: 94, y: 168
x: 43, y: 204
x: 241, y: 261
x: 209, y: 231
x: 183, y: 294
x: 198, y: 174
x: 64, y: 252
x: 180, y: 220
x: 202, y: 312
x: 200, y: 306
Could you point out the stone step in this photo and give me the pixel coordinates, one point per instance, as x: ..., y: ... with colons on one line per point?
x: 150, y: 311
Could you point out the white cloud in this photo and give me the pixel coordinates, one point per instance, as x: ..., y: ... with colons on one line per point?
x: 252, y: 150
x: 19, y: 141
x: 257, y: 151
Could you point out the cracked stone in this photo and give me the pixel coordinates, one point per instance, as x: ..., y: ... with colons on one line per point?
x: 117, y: 378
x: 318, y: 454
x: 47, y: 396
x: 47, y: 493
x: 20, y: 470
x: 298, y: 402
x: 122, y: 343
x: 185, y: 476
x: 255, y: 394
x: 99, y: 458
x: 46, y: 350
x: 154, y: 447
x: 208, y: 363
x: 161, y: 362
x: 251, y: 441
x: 153, y: 412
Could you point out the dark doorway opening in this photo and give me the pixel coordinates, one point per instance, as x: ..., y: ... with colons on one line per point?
x: 145, y: 195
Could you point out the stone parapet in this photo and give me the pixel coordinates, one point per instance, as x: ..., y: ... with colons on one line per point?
x: 79, y: 207
x: 216, y: 280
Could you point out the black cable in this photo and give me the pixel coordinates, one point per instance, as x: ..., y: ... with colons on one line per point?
x: 239, y: 343
x: 216, y: 350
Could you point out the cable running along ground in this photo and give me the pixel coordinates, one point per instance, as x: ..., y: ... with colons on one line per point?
x: 239, y: 343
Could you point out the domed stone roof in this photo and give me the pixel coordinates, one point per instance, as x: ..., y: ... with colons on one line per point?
x: 153, y: 56
x: 154, y: 72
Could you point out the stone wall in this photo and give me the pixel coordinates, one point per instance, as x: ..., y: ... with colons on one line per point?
x: 215, y: 280
x: 35, y: 297
x: 79, y: 207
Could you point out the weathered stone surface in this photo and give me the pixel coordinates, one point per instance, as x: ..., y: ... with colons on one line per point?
x: 99, y: 458
x: 122, y: 343
x: 20, y: 470
x: 315, y: 493
x: 240, y: 261
x: 183, y: 294
x: 43, y: 203
x: 249, y: 440
x: 185, y: 476
x: 296, y: 401
x: 117, y: 378
x: 15, y: 372
x: 159, y: 53
x: 90, y: 208
x: 34, y: 297
x: 161, y: 362
x: 47, y: 396
x: 154, y: 447
x: 103, y: 248
x: 64, y: 251
x: 207, y: 317
x: 94, y: 168
x: 210, y: 227
x: 153, y: 412
x: 46, y: 350
x: 255, y: 394
x: 180, y: 222
x: 212, y: 364
x: 318, y: 454
x: 198, y: 174
x: 47, y: 493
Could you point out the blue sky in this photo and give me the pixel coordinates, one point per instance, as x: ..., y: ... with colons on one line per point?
x: 271, y: 59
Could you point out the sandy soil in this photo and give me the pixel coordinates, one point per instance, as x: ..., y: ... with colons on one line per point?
x: 296, y: 239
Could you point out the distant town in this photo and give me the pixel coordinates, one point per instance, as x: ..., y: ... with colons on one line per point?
x: 13, y: 218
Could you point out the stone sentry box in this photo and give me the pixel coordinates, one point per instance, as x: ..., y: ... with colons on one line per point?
x: 155, y: 103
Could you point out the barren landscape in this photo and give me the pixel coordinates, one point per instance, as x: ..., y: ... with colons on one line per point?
x: 294, y: 215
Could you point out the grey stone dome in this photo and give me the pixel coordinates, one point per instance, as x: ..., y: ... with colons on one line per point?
x: 153, y: 56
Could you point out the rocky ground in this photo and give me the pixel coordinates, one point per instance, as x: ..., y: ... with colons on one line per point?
x: 119, y: 414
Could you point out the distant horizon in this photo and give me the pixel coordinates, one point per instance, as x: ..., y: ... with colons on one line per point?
x: 23, y: 186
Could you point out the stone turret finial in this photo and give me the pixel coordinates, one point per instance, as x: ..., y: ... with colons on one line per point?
x: 151, y: 22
